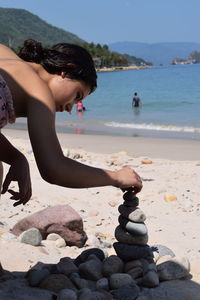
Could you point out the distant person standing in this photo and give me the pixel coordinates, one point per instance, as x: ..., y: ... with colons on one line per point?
x: 79, y: 106
x: 136, y: 100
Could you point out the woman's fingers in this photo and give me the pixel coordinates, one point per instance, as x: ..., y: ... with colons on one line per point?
x: 21, y: 199
x: 129, y: 179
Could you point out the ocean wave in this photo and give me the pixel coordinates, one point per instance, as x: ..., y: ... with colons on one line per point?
x: 154, y: 127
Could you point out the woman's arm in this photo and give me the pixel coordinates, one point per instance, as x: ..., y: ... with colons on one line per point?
x: 57, y: 169
x: 8, y: 153
x: 19, y: 171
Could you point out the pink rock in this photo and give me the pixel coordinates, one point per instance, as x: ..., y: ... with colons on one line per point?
x: 60, y: 219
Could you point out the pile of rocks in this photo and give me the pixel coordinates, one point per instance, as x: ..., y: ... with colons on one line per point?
x: 93, y: 276
x: 130, y: 274
x: 132, y: 237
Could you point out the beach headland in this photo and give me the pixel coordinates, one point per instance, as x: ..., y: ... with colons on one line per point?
x: 122, y: 68
x: 167, y: 167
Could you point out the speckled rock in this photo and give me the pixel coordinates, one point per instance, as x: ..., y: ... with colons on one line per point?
x: 134, y: 214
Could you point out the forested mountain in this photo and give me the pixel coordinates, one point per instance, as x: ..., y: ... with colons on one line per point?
x: 16, y: 25
x: 157, y: 53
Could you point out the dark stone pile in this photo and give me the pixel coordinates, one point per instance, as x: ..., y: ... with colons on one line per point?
x: 132, y: 237
x: 130, y: 274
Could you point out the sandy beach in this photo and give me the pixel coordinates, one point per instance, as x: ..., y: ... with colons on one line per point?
x: 174, y: 171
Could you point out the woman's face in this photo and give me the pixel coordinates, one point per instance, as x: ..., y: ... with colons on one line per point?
x: 67, y: 92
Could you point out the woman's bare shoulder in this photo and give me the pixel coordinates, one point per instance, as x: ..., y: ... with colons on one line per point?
x: 7, y: 53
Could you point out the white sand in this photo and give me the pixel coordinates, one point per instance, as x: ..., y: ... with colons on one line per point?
x: 175, y: 170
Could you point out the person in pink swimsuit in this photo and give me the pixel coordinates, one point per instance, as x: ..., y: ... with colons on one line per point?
x: 35, y: 84
x: 79, y: 106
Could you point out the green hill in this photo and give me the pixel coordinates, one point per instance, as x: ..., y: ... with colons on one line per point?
x: 16, y: 25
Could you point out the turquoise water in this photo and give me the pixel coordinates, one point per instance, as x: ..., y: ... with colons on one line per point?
x: 170, y: 103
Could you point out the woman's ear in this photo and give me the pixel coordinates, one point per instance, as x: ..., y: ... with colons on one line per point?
x: 63, y: 74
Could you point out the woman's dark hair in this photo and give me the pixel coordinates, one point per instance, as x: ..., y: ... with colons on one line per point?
x: 62, y: 57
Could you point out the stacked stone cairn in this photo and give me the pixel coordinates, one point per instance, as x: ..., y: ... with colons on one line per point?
x: 94, y: 275
x: 132, y: 247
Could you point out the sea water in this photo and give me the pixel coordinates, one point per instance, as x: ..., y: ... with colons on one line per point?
x: 170, y: 104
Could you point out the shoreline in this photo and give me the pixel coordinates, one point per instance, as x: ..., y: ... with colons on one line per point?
x: 163, y: 148
x: 113, y: 69
x: 91, y: 127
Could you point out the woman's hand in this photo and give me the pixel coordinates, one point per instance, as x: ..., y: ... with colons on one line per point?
x: 19, y: 171
x: 128, y: 178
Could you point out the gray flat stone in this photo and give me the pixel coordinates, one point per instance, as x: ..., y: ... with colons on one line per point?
x: 31, y: 236
x: 125, y: 237
x: 135, y: 228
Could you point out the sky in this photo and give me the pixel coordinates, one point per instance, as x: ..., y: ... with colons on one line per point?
x: 110, y: 21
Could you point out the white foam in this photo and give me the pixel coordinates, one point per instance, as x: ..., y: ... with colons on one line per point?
x: 154, y: 127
